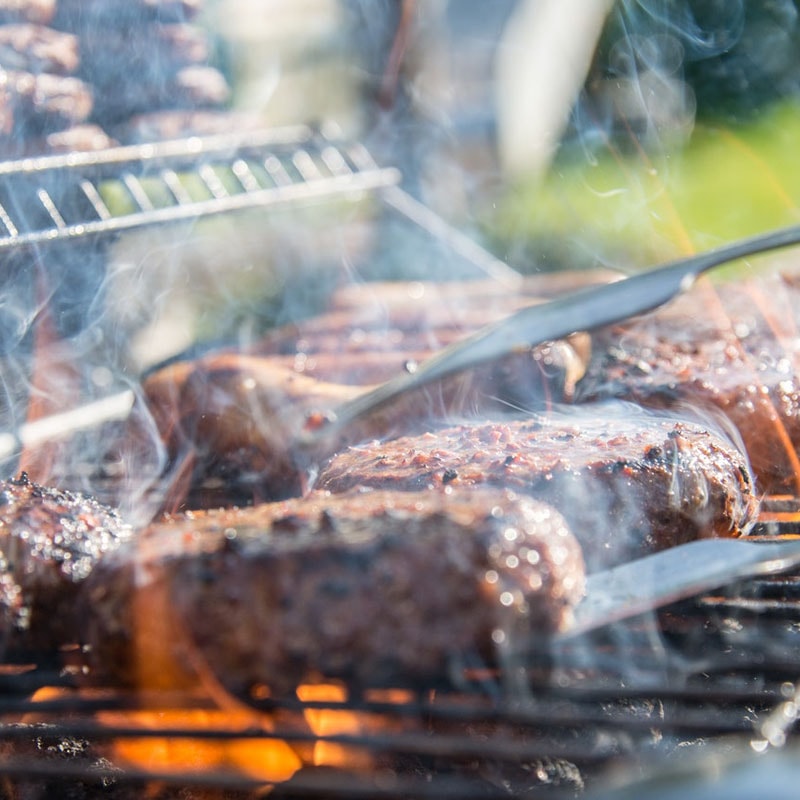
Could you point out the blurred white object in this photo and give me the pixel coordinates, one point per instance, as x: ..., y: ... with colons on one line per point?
x: 542, y: 63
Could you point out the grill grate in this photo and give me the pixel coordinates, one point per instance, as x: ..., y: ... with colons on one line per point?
x: 78, y: 195
x: 719, y: 669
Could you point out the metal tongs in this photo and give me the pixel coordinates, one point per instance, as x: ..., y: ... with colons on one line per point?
x: 678, y: 573
x: 582, y: 310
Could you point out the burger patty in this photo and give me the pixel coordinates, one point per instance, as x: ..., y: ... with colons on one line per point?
x: 50, y: 540
x: 370, y: 587
x: 235, y: 416
x: 627, y: 483
x: 734, y: 349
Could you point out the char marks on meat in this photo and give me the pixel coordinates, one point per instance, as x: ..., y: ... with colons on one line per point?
x: 627, y: 485
x: 233, y: 415
x: 368, y: 587
x: 733, y: 348
x: 50, y: 540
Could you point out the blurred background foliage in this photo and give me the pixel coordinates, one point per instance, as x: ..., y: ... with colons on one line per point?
x: 684, y: 135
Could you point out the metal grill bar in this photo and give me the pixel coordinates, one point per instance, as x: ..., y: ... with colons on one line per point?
x: 295, y: 164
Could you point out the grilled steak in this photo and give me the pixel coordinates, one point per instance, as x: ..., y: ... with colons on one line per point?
x: 735, y: 349
x: 36, y: 48
x: 626, y: 483
x: 49, y: 542
x: 368, y: 587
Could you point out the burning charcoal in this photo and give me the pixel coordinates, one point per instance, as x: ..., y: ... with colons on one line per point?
x: 32, y: 105
x: 731, y: 349
x: 49, y: 542
x: 38, y: 11
x: 35, y: 48
x: 368, y: 587
x: 626, y: 483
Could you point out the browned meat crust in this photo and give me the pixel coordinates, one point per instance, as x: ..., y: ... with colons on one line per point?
x: 49, y: 542
x: 39, y: 11
x: 370, y: 587
x: 627, y: 484
x: 34, y: 105
x: 235, y: 416
x: 734, y: 349
x: 36, y: 48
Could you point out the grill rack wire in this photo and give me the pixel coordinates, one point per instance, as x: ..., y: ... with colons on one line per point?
x: 718, y: 670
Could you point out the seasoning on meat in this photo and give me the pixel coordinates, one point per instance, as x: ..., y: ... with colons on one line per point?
x: 627, y: 483
x: 49, y: 542
x: 369, y: 587
x: 734, y: 348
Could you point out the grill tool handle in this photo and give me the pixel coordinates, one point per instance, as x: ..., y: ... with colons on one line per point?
x: 675, y: 574
x: 582, y: 310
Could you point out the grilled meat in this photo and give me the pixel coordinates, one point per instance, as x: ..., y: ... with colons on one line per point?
x: 38, y: 11
x: 190, y: 87
x: 369, y: 587
x: 626, y: 483
x: 235, y: 416
x: 733, y: 348
x: 34, y: 105
x: 49, y: 542
x: 35, y: 48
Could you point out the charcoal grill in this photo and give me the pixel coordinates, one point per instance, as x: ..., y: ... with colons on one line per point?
x: 719, y: 670
x: 702, y: 679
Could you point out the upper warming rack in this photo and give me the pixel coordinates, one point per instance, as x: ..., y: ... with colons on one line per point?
x: 77, y: 195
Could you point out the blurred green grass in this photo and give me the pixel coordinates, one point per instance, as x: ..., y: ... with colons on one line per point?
x: 634, y: 209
